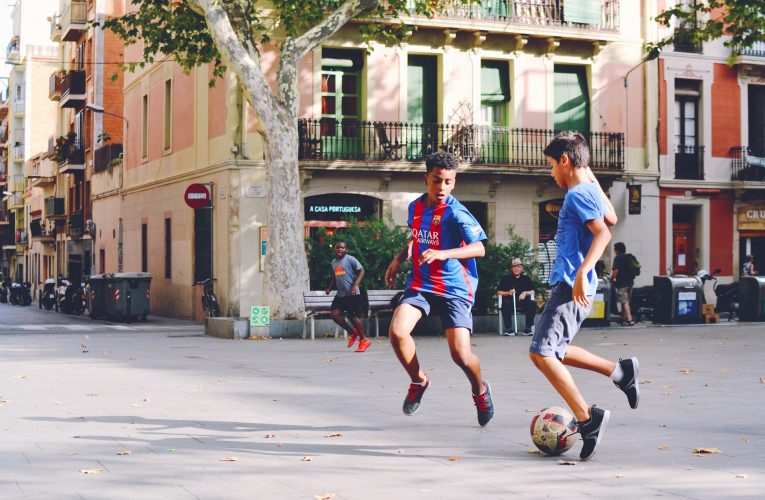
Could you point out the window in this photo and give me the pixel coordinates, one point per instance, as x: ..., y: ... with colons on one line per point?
x: 688, y: 152
x: 168, y: 113
x: 495, y: 92
x: 572, y: 99
x: 102, y: 261
x: 144, y: 248
x: 341, y: 101
x: 168, y: 249
x: 145, y: 127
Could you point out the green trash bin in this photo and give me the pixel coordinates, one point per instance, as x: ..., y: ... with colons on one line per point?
x: 751, y: 295
x: 96, y: 296
x: 677, y: 299
x: 125, y: 296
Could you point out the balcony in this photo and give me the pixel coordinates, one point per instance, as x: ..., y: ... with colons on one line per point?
x: 18, y: 151
x: 525, y: 15
x: 39, y: 232
x: 689, y: 162
x: 54, y: 85
x: 16, y: 201
x: 12, y: 52
x: 55, y: 28
x: 43, y: 172
x: 754, y: 55
x: 22, y: 238
x: 70, y: 156
x: 72, y: 89
x: 747, y: 164
x: 74, y: 20
x: 106, y: 156
x: 76, y: 225
x: 54, y: 208
x: 500, y: 148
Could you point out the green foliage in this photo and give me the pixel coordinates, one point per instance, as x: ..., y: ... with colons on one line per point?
x: 703, y: 21
x: 496, y: 264
x: 63, y: 146
x: 374, y: 244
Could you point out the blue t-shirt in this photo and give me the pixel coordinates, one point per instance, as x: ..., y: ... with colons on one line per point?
x: 583, y: 202
x: 449, y: 225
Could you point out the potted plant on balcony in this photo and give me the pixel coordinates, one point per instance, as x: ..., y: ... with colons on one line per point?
x: 64, y: 144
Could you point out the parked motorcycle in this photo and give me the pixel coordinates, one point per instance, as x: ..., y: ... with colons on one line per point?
x: 70, y: 297
x: 641, y: 303
x: 48, y: 295
x: 21, y: 294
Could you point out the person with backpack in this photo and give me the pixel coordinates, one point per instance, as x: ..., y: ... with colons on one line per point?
x: 623, y: 278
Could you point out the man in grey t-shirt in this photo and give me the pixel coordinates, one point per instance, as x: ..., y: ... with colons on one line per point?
x: 347, y: 273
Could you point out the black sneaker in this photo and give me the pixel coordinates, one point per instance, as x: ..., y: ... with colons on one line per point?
x: 528, y: 332
x: 629, y: 383
x: 412, y: 401
x: 592, y: 431
x: 484, y: 405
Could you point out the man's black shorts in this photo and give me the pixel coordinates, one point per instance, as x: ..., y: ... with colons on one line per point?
x: 351, y: 305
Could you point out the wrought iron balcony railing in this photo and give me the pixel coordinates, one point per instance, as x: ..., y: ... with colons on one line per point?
x: 757, y: 49
x: 329, y: 140
x: 54, y: 207
x: 747, y: 163
x: 689, y: 162
x: 72, y: 89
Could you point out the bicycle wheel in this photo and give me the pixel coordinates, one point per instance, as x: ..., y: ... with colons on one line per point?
x: 213, y: 310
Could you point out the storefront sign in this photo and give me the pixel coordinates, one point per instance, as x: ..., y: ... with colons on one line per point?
x: 635, y: 194
x: 751, y: 217
x: 197, y: 196
x: 340, y: 206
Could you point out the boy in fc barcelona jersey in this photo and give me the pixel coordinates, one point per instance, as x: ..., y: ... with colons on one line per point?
x: 445, y: 240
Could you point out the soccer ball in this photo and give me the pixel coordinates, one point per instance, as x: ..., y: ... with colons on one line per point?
x: 553, y: 430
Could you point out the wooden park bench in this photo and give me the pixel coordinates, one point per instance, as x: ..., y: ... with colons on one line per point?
x: 318, y: 302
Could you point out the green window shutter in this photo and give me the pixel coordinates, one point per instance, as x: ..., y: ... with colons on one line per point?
x: 422, y: 95
x: 572, y: 102
x: 582, y: 12
x: 414, y: 94
x: 494, y: 82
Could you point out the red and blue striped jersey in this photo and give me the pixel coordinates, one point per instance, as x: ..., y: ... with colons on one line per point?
x: 449, y: 225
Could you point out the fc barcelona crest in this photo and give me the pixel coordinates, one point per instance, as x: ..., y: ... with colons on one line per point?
x: 436, y: 219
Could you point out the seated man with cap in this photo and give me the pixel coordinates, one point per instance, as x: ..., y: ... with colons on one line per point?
x: 519, y: 285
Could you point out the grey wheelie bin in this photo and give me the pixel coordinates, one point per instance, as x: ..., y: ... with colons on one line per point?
x: 751, y: 296
x: 601, y: 305
x: 677, y: 299
x: 120, y: 296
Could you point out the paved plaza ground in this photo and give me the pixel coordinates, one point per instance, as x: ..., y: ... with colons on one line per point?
x: 90, y: 410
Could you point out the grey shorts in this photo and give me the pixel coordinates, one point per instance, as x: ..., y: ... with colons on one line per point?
x: 454, y: 313
x: 624, y: 295
x: 560, y: 320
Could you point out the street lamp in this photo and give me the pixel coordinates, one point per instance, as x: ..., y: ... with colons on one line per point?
x: 650, y: 56
x: 99, y: 109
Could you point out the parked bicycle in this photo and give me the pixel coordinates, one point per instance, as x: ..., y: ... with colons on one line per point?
x: 209, y: 300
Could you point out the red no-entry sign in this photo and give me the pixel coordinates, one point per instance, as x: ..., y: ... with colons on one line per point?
x: 197, y: 196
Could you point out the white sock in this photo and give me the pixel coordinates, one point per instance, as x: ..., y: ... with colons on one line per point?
x: 423, y: 382
x: 618, y: 373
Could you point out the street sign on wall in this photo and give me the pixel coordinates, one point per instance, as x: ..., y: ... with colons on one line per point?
x: 197, y: 196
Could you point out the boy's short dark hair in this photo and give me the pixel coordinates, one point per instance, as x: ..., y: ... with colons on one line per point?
x: 343, y: 242
x: 619, y: 247
x: 442, y: 159
x: 572, y: 144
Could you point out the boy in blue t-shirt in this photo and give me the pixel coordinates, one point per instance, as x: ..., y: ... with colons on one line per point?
x: 581, y: 237
x: 445, y: 239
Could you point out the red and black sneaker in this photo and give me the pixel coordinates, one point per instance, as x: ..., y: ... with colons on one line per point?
x: 484, y: 405
x: 412, y: 401
x: 353, y: 337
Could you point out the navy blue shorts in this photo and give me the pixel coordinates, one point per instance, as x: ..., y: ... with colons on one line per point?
x: 454, y: 313
x: 560, y: 320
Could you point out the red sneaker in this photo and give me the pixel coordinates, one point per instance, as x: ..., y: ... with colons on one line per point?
x: 352, y: 338
x: 363, y: 344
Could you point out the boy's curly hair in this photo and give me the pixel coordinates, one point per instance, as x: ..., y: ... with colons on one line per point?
x: 442, y: 159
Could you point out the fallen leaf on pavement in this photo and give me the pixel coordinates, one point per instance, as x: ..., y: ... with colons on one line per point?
x: 3, y: 401
x: 644, y: 382
x: 307, y: 459
x: 618, y: 476
x: 269, y: 436
x: 324, y: 496
x: 706, y: 450
x: 762, y: 380
x: 685, y: 370
x: 229, y: 459
x: 334, y: 434
x: 90, y: 471
x: 453, y: 458
x: 666, y: 393
x: 19, y: 376
x: 663, y: 447
x: 740, y: 476
x: 566, y: 462
x: 259, y: 337
x: 123, y: 453
x: 744, y: 439
x: 330, y: 360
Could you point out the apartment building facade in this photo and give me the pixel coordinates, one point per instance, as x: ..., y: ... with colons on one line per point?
x: 711, y: 134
